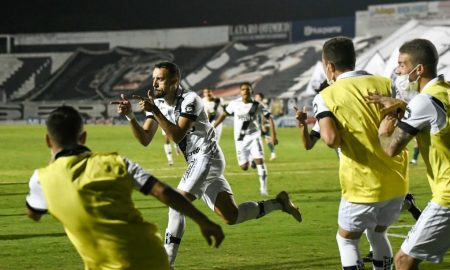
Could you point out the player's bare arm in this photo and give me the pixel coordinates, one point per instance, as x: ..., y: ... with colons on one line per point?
x: 308, y: 140
x: 274, y: 132
x: 175, y: 200
x: 220, y: 119
x: 393, y: 139
x: 389, y: 105
x: 145, y: 133
x: 329, y: 132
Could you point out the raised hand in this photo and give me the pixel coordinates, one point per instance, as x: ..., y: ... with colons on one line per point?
x: 123, y: 105
x: 146, y: 103
x: 301, y: 116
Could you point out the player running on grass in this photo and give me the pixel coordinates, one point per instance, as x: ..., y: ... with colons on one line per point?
x: 180, y: 113
x: 247, y: 132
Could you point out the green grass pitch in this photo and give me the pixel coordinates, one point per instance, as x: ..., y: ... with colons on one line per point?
x: 274, y: 242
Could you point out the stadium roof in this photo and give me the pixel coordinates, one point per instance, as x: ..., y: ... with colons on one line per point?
x: 86, y: 15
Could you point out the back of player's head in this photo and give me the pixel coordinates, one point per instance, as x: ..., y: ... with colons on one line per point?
x: 172, y: 68
x: 261, y: 95
x: 340, y: 52
x: 64, y: 126
x: 422, y: 51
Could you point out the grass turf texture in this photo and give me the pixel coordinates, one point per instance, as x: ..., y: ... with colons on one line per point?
x: 276, y: 241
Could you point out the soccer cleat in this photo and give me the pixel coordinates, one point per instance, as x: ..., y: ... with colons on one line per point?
x: 368, y: 257
x: 170, y: 163
x: 413, y: 209
x: 253, y: 164
x: 288, y: 206
x: 273, y: 156
x: 413, y: 162
x: 264, y: 193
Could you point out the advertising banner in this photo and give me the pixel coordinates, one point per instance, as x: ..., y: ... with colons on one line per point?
x: 323, y: 28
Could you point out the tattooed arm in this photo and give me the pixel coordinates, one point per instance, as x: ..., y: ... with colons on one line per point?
x: 392, y: 138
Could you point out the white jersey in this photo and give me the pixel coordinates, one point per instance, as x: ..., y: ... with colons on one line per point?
x: 201, y: 138
x: 423, y: 112
x: 246, y: 123
x: 213, y: 108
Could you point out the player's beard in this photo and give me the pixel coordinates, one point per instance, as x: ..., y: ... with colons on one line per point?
x: 159, y: 93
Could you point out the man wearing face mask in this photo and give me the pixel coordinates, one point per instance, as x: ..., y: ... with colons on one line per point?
x: 373, y: 184
x: 427, y: 117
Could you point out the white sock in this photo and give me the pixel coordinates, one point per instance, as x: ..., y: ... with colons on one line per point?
x: 262, y: 173
x: 168, y: 151
x: 254, y: 210
x: 370, y: 246
x: 174, y: 232
x: 382, y: 250
x: 348, y: 249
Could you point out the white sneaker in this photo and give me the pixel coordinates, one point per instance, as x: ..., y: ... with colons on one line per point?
x: 413, y: 162
x: 264, y: 193
x: 273, y: 156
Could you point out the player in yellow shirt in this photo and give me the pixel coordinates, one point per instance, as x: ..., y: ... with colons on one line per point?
x: 373, y: 184
x: 427, y: 116
x: 90, y: 194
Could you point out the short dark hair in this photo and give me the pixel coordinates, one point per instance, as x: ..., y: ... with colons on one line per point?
x: 340, y: 51
x: 260, y: 94
x: 64, y: 126
x: 422, y: 51
x: 174, y: 70
x: 246, y: 83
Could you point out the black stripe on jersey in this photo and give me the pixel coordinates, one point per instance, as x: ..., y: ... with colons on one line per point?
x: 315, y: 134
x: 407, y: 128
x: 439, y: 103
x: 38, y: 211
x: 193, y: 117
x: 151, y: 116
x: 151, y: 181
x: 325, y: 114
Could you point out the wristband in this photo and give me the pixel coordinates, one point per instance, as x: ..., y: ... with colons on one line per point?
x: 130, y: 116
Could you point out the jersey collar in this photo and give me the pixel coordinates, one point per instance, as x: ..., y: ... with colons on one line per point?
x: 79, y: 149
x: 353, y: 73
x: 435, y: 80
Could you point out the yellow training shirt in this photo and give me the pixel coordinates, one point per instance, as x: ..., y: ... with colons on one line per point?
x: 366, y: 173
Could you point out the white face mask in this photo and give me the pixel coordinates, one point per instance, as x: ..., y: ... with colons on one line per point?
x: 406, y: 89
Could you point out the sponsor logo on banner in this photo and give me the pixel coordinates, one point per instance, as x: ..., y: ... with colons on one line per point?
x: 318, y: 29
x: 280, y: 31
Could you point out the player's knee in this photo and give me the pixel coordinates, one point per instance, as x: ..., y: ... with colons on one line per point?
x: 230, y: 217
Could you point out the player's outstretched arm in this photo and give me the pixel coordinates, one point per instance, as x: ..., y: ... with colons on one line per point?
x: 143, y: 134
x: 308, y: 140
x: 220, y: 119
x: 175, y: 200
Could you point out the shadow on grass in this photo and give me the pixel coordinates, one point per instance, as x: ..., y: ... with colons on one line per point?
x: 27, y: 236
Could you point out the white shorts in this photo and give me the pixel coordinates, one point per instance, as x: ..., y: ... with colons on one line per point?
x: 429, y: 239
x: 250, y: 146
x: 204, y: 177
x: 356, y: 217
